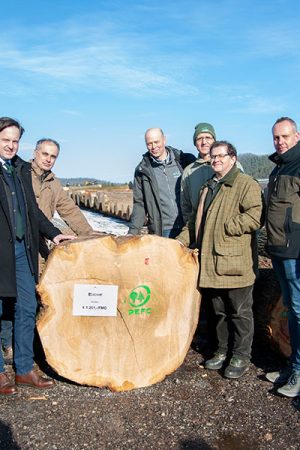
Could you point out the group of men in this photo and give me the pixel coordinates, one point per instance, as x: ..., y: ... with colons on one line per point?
x: 207, y: 203
x: 23, y: 227
x: 210, y: 204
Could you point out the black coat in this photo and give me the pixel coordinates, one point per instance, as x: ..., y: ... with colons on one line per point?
x: 283, y: 205
x: 36, y: 224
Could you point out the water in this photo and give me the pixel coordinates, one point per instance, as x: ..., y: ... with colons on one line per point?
x: 106, y: 224
x: 99, y: 222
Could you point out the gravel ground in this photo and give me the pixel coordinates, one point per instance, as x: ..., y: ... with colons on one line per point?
x: 191, y: 409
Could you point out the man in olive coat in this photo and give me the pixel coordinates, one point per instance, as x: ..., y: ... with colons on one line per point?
x: 229, y: 212
x: 21, y: 223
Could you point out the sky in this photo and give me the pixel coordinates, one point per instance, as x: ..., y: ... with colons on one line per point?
x: 95, y: 74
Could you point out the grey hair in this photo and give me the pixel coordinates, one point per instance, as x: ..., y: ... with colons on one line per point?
x: 50, y: 141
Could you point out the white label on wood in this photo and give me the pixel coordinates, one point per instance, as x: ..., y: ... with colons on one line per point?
x: 95, y: 300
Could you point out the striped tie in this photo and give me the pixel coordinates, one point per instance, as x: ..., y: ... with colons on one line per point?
x: 8, y: 167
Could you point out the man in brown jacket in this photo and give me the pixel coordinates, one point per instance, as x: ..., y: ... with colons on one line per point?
x: 49, y: 192
x: 50, y: 197
x: 224, y: 225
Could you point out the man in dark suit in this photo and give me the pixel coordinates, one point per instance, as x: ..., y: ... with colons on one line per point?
x: 21, y: 223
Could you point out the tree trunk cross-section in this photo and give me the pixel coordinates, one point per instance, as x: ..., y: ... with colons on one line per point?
x: 157, y: 310
x: 279, y: 328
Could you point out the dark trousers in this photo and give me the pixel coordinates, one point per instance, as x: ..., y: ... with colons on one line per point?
x: 25, y: 306
x: 235, y: 327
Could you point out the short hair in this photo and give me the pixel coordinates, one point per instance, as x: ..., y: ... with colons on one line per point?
x: 51, y: 141
x: 286, y: 119
x: 6, y: 122
x: 231, y: 150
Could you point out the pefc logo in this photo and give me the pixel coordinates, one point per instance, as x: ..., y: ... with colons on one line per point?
x: 138, y: 298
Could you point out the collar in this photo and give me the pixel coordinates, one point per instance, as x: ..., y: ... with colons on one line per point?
x: 43, y: 174
x: 159, y: 162
x: 229, y: 178
x: 2, y: 161
x: 291, y: 155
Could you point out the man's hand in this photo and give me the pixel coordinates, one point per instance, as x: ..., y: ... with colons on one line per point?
x: 63, y: 237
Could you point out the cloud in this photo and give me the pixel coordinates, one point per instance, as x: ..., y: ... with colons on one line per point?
x: 246, y: 99
x: 69, y: 112
x: 275, y: 41
x: 97, y: 61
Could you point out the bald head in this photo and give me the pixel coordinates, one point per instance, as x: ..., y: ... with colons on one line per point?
x: 156, y: 143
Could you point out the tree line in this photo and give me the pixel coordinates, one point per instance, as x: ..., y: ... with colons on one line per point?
x: 258, y: 166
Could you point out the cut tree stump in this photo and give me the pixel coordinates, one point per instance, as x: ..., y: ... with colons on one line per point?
x: 270, y: 316
x: 279, y: 328
x: 157, y: 310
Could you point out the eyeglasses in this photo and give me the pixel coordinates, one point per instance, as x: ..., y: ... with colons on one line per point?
x: 219, y: 156
x: 204, y: 138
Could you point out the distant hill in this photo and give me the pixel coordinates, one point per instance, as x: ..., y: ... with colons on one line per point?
x: 86, y: 182
x: 258, y: 166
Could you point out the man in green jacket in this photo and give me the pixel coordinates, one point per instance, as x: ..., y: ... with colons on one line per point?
x: 223, y: 226
x: 195, y: 175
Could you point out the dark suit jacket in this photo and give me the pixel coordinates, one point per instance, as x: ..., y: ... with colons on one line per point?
x: 36, y: 224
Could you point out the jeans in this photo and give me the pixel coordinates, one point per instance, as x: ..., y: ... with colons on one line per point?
x: 6, y: 328
x: 24, y: 313
x: 235, y: 325
x: 288, y: 274
x: 171, y: 232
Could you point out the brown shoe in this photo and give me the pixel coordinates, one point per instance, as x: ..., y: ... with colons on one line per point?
x: 6, y: 386
x: 33, y: 379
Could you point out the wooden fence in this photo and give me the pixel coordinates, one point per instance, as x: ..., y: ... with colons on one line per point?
x: 117, y: 203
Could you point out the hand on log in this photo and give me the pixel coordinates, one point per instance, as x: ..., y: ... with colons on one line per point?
x: 63, y: 237
x: 195, y: 253
x: 98, y: 233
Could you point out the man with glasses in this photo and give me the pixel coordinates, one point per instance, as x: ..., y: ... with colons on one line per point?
x: 193, y: 178
x: 196, y: 174
x: 223, y: 227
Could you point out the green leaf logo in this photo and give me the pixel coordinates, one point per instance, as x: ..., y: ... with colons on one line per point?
x: 139, y: 296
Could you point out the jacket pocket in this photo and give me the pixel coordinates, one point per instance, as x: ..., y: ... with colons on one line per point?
x: 290, y: 225
x: 232, y: 259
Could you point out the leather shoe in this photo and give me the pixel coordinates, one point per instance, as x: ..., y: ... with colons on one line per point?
x: 216, y: 362
x: 237, y: 367
x: 6, y: 386
x: 33, y: 379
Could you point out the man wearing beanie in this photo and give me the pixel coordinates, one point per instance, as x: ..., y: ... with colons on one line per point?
x: 200, y: 171
x: 197, y: 173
